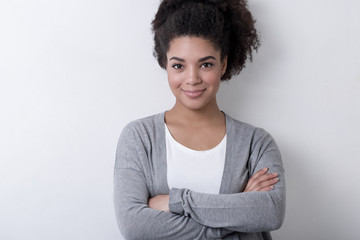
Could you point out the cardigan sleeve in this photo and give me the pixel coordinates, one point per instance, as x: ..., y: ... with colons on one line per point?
x: 136, y: 220
x: 241, y: 212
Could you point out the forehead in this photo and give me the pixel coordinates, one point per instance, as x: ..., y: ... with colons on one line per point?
x: 191, y: 47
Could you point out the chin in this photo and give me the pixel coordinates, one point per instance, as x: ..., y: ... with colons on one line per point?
x: 195, y: 106
x: 200, y: 103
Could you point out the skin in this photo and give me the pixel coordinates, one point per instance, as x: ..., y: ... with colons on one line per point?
x: 194, y: 68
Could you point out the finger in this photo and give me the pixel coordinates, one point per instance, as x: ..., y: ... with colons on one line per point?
x: 265, y: 189
x: 261, y: 181
x: 257, y: 175
x: 266, y: 177
x: 261, y: 178
x: 265, y: 184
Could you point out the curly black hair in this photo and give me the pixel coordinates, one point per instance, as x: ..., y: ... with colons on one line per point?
x: 228, y: 24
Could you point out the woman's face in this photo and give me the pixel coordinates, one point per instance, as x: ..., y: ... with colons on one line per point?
x: 194, y: 70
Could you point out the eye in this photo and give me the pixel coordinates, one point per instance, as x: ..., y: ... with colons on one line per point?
x: 207, y: 65
x: 177, y: 66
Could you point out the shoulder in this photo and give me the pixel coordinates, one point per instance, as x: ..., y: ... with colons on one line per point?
x: 144, y: 132
x: 245, y: 129
x: 246, y: 133
x: 144, y: 126
x: 137, y: 139
x: 256, y: 142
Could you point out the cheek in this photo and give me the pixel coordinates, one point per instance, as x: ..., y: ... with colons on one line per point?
x: 174, y: 80
x: 213, y: 79
x: 216, y: 85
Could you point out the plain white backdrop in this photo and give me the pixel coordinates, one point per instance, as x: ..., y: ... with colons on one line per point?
x: 74, y: 72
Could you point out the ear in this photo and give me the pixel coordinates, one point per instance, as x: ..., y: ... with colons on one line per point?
x: 223, y: 65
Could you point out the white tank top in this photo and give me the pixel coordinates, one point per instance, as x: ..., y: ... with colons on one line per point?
x: 199, y: 171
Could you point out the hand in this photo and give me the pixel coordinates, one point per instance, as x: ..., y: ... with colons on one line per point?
x: 160, y: 202
x: 261, y: 181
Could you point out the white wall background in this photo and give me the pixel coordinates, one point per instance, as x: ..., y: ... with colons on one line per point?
x: 74, y: 72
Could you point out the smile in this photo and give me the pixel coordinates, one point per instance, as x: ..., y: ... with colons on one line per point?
x: 194, y: 93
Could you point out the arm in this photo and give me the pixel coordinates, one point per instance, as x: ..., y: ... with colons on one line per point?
x: 131, y: 193
x: 137, y: 221
x: 260, y: 181
x: 243, y: 212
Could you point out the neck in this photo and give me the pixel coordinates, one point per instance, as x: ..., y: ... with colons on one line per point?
x: 194, y: 117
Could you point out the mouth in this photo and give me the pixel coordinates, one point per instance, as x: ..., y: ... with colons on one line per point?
x: 194, y: 93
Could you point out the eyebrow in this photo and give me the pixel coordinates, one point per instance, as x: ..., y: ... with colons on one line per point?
x: 200, y: 60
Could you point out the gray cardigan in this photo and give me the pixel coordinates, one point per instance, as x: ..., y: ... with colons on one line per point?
x: 140, y: 173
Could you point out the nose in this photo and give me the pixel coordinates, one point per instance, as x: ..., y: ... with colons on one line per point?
x: 193, y: 77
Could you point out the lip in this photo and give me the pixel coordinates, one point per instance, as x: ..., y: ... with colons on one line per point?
x: 194, y: 93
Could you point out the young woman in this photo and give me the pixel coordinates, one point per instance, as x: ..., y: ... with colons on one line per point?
x: 193, y: 172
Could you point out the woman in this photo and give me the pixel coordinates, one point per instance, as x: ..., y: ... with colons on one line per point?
x: 193, y: 172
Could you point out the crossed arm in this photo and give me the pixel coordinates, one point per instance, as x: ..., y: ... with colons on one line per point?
x: 260, y: 181
x: 190, y: 215
x: 139, y: 217
x: 137, y: 221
